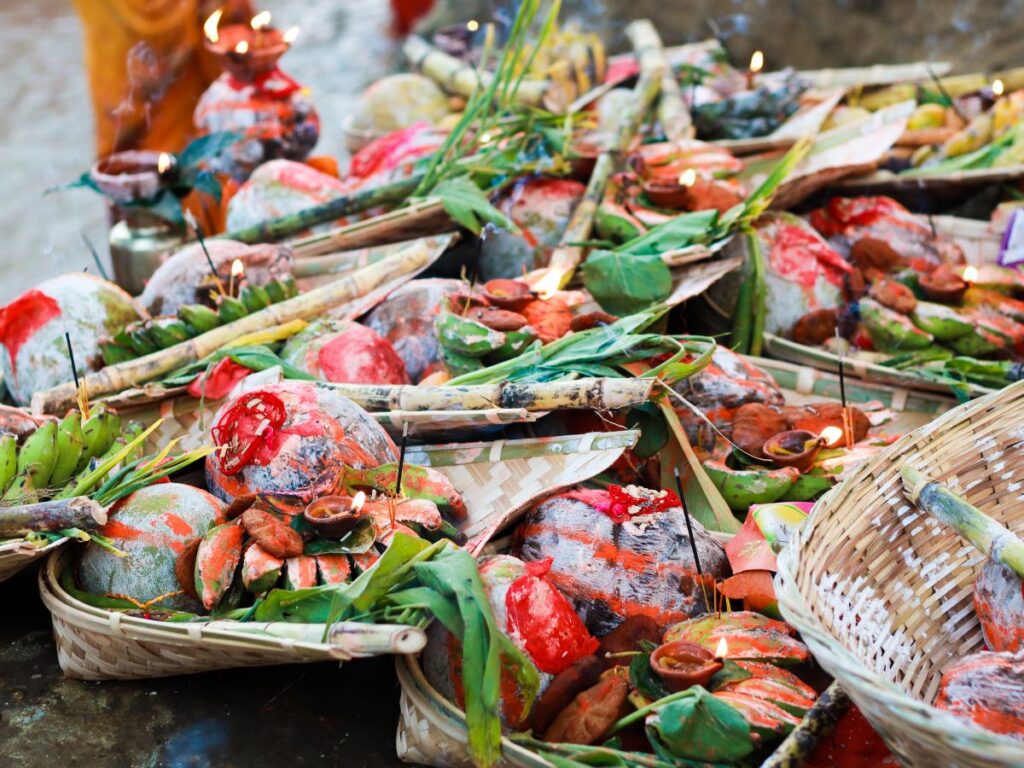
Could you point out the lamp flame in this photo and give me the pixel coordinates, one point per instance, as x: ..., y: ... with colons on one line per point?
x: 163, y: 163
x: 549, y: 284
x: 242, y: 47
x: 260, y: 20
x: 971, y: 274
x: 357, y: 501
x: 290, y: 35
x: 722, y: 650
x: 997, y: 87
x: 210, y: 26
x: 831, y: 436
x: 472, y: 25
x: 756, y: 62
x: 237, y: 267
x: 688, y: 177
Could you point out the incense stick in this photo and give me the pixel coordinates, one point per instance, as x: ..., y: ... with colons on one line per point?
x: 71, y: 357
x: 95, y: 256
x: 398, y: 474
x: 689, y: 525
x: 945, y: 94
x: 847, y: 422
x: 202, y: 244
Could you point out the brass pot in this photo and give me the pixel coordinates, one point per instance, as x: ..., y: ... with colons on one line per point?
x: 138, y: 244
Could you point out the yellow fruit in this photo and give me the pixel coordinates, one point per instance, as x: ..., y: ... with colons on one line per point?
x: 844, y: 116
x: 977, y: 134
x: 927, y: 116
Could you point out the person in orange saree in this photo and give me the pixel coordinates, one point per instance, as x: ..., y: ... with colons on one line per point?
x: 147, y: 68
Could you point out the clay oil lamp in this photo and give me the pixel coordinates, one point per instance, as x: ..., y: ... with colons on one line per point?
x: 946, y: 286
x: 793, y: 448
x: 682, y: 664
x: 508, y: 294
x: 666, y: 193
x: 247, y: 51
x: 133, y: 177
x: 335, y: 516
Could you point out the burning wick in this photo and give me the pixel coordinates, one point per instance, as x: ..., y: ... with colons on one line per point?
x: 756, y: 65
x: 722, y: 650
x: 242, y: 47
x: 237, y: 270
x: 260, y: 20
x: 472, y: 25
x: 971, y: 273
x: 211, y: 24
x: 997, y: 87
x: 357, y: 502
x: 831, y: 436
x: 548, y: 285
x: 486, y: 138
x: 202, y: 244
x: 290, y: 35
x: 688, y: 177
x: 164, y: 163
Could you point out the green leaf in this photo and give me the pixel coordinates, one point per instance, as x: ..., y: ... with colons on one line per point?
x: 357, y: 541
x: 643, y: 678
x: 653, y: 429
x: 468, y: 205
x: 700, y: 727
x: 626, y: 283
x: 731, y: 672
x: 206, y: 148
x: 678, y: 232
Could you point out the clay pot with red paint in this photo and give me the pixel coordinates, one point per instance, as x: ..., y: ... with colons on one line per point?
x: 682, y: 664
x: 943, y: 285
x: 508, y: 294
x: 793, y: 448
x: 335, y: 516
x: 247, y: 53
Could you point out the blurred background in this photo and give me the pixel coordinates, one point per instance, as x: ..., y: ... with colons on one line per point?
x: 46, y: 122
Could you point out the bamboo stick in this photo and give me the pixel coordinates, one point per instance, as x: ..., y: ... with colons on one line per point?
x: 460, y: 77
x: 294, y: 223
x: 380, y: 230
x: 347, y: 260
x: 568, y: 255
x: 598, y: 393
x: 673, y: 114
x: 986, y: 534
x: 50, y: 516
x: 115, y: 378
x: 819, y: 722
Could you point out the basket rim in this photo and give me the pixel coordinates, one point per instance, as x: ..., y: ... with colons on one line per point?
x: 64, y: 606
x: 846, y: 666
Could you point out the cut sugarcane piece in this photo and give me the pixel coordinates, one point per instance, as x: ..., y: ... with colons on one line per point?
x: 989, y: 536
x: 50, y: 516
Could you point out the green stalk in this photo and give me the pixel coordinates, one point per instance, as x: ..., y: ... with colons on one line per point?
x: 641, y: 713
x: 100, y: 472
x: 986, y: 534
x: 758, y: 297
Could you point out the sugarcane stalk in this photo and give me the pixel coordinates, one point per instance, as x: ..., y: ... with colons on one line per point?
x: 115, y: 378
x: 49, y: 516
x: 597, y: 393
x: 989, y: 536
x: 819, y: 721
x: 386, y: 228
x: 347, y: 260
x: 294, y: 223
x: 568, y: 254
x: 673, y: 114
x: 459, y: 77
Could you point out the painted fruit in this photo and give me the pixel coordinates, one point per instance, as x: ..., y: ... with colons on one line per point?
x: 399, y: 101
x: 999, y: 603
x: 33, y: 354
x: 279, y: 188
x: 342, y: 351
x: 612, y: 571
x: 291, y: 442
x: 505, y: 578
x: 987, y: 688
x: 185, y: 277
x: 152, y: 526
x: 406, y: 319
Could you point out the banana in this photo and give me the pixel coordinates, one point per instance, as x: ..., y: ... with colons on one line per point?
x: 231, y: 309
x: 91, y: 465
x: 254, y: 297
x: 276, y: 291
x: 165, y: 332
x: 97, y: 437
x: 139, y: 340
x: 114, y: 353
x: 8, y: 461
x: 70, y: 444
x: 198, y: 317
x: 38, y: 455
x: 291, y: 288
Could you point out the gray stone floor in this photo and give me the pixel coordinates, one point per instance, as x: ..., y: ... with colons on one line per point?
x: 314, y: 714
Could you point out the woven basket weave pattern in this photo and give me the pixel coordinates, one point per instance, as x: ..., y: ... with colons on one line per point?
x: 883, y: 593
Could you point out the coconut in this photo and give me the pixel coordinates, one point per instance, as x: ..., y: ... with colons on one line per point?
x: 399, y: 101
x: 339, y: 350
x: 301, y: 457
x: 406, y: 319
x: 185, y: 277
x: 33, y: 353
x: 281, y: 188
x: 152, y: 527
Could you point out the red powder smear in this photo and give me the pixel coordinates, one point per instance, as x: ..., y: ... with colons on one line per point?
x: 852, y: 744
x: 220, y: 380
x: 391, y: 150
x: 359, y: 355
x: 802, y: 255
x: 115, y: 529
x: 20, y: 320
x: 617, y: 502
x: 552, y: 633
x: 178, y: 525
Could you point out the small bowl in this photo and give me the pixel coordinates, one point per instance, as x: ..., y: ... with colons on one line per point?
x: 793, y: 448
x: 332, y: 516
x: 128, y: 177
x: 666, y: 194
x: 508, y: 294
x: 943, y: 286
x: 695, y: 664
x: 266, y: 46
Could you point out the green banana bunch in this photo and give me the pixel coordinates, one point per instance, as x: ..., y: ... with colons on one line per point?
x: 70, y: 444
x: 145, y: 337
x: 36, y: 461
x: 98, y: 432
x: 8, y: 461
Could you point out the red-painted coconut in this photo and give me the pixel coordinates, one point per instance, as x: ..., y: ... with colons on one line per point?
x: 999, y: 603
x: 185, y: 277
x: 291, y: 441
x: 987, y: 688
x: 152, y: 526
x: 279, y: 188
x: 339, y: 350
x: 33, y: 353
x: 406, y: 319
x: 616, y: 556
x: 534, y: 614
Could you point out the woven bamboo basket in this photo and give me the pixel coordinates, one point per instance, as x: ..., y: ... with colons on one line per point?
x: 883, y: 594
x: 497, y: 480
x: 18, y: 554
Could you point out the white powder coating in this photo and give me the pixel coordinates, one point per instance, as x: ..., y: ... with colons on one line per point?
x: 280, y: 188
